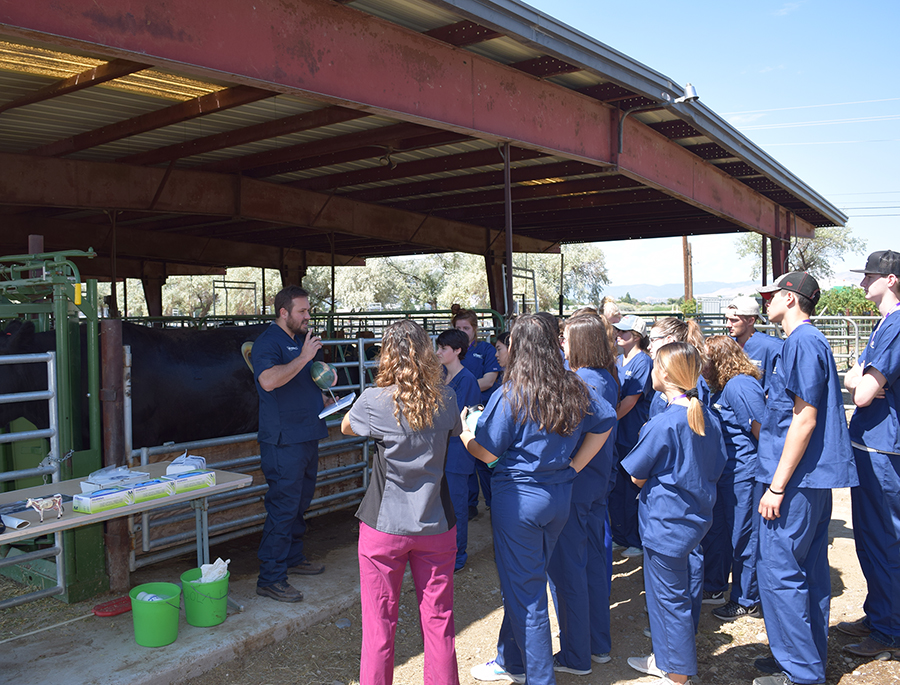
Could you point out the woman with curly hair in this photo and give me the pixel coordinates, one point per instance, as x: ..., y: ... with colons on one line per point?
x: 739, y: 401
x: 530, y: 430
x: 406, y: 514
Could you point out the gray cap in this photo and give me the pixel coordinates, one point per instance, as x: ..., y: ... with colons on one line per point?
x: 632, y: 323
x: 743, y: 305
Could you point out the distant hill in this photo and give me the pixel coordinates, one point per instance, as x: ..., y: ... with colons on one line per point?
x: 646, y: 292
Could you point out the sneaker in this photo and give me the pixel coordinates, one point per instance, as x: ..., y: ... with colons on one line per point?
x: 473, y: 512
x: 646, y: 664
x: 601, y: 658
x: 306, y: 568
x: 731, y: 610
x: 494, y: 671
x: 777, y: 679
x: 559, y: 668
x: 282, y: 591
x: 871, y: 647
x: 713, y: 597
x: 854, y: 628
x: 633, y: 552
x: 768, y: 664
x: 616, y: 546
x: 648, y: 633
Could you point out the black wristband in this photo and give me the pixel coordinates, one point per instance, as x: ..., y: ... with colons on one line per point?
x: 774, y: 492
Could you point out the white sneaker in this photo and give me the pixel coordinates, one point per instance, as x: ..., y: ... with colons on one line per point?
x: 646, y: 664
x: 493, y: 671
x: 633, y: 552
x: 601, y: 658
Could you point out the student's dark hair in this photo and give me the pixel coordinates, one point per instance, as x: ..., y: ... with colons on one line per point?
x: 286, y: 296
x: 552, y: 321
x: 807, y: 306
x: 539, y: 388
x: 503, y: 338
x: 682, y: 363
x: 455, y: 339
x: 458, y: 313
x: 724, y: 360
x: 408, y: 361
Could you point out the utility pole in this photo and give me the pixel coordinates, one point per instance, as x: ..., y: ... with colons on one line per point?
x: 688, y: 269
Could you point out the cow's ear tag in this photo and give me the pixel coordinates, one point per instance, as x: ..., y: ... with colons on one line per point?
x: 246, y: 351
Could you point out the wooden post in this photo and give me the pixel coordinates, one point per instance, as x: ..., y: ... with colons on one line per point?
x: 688, y: 269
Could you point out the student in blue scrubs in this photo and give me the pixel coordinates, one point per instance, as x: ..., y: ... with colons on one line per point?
x: 634, y: 366
x: 874, y: 384
x: 676, y: 463
x: 451, y: 349
x: 672, y: 329
x: 530, y: 429
x: 579, y: 579
x: 738, y: 401
x: 762, y: 349
x: 481, y: 360
x: 804, y: 452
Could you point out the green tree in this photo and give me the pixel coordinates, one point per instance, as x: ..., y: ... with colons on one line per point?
x: 845, y: 300
x: 815, y: 255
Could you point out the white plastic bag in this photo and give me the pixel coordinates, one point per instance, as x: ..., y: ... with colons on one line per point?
x: 209, y: 573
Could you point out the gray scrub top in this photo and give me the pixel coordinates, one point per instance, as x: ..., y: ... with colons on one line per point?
x: 407, y: 493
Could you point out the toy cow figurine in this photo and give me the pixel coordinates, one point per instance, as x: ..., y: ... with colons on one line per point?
x: 43, y: 504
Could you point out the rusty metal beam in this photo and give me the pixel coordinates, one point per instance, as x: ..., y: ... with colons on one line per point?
x: 183, y: 111
x: 97, y: 185
x: 371, y: 64
x: 249, y: 134
x: 87, y: 78
x: 463, y: 33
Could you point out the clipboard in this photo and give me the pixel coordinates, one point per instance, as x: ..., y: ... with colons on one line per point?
x: 339, y: 404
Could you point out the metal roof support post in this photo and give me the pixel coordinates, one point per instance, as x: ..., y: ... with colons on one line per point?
x: 765, y: 260
x: 507, y: 190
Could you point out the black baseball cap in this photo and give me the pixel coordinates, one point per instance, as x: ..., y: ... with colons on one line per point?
x: 883, y: 263
x: 798, y: 282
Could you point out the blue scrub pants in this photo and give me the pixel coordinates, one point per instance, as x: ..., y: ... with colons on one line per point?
x: 795, y: 583
x: 876, y: 528
x: 674, y: 587
x: 290, y: 472
x: 482, y: 476
x: 458, y: 485
x: 732, y: 541
x: 526, y: 520
x: 623, y: 510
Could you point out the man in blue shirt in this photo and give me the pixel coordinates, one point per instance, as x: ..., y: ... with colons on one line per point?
x: 762, y: 349
x: 804, y: 452
x: 875, y: 436
x: 289, y: 434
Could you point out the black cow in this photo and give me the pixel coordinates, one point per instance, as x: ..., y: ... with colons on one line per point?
x: 187, y: 384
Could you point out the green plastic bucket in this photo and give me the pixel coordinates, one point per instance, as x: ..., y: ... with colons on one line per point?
x: 205, y: 604
x: 156, y: 623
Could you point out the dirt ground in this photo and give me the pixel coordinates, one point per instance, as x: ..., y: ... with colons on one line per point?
x: 328, y: 653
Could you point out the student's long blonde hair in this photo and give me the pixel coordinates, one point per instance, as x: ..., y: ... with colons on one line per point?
x: 682, y: 364
x: 408, y: 361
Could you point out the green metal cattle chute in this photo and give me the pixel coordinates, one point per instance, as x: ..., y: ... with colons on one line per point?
x: 47, y: 289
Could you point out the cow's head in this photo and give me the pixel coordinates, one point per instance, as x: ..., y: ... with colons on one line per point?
x: 18, y: 338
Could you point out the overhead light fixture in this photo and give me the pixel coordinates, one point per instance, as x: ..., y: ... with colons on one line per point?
x: 690, y: 94
x: 386, y: 160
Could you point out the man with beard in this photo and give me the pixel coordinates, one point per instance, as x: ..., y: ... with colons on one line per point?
x: 289, y: 434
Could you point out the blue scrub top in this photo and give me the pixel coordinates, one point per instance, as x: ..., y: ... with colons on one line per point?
x: 467, y: 394
x: 681, y: 469
x: 634, y: 379
x: 481, y: 358
x: 806, y: 370
x: 739, y: 403
x: 659, y: 402
x: 527, y: 454
x: 290, y: 414
x: 877, y: 426
x: 594, y: 481
x: 763, y: 351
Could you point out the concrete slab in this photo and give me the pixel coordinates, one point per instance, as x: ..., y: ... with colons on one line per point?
x: 102, y: 651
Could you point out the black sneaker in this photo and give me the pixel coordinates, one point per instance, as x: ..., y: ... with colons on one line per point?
x: 732, y: 610
x: 281, y: 591
x: 713, y: 597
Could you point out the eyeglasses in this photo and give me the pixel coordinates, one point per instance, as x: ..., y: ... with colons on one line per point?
x: 657, y: 337
x: 562, y: 338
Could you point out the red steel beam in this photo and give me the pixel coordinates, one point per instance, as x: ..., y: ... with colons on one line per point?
x: 87, y: 78
x: 249, y: 134
x: 463, y: 33
x: 80, y: 184
x: 336, y: 54
x: 183, y: 111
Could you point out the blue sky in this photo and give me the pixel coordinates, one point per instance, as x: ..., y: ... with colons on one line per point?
x: 814, y: 83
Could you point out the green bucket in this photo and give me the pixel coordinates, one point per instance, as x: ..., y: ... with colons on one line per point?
x: 156, y: 623
x: 205, y: 604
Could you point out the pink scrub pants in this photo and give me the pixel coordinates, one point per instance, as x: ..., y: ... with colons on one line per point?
x: 382, y: 563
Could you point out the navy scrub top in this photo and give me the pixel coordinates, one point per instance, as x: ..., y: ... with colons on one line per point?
x: 595, y: 480
x: 763, y: 351
x: 634, y: 378
x: 681, y: 469
x: 481, y: 358
x: 290, y: 414
x: 737, y: 405
x: 467, y: 394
